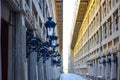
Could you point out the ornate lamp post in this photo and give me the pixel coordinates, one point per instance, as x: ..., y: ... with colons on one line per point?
x: 47, y: 49
x: 53, y: 40
x: 50, y: 27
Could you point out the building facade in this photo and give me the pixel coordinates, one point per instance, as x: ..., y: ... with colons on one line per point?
x: 97, y: 46
x: 18, y: 20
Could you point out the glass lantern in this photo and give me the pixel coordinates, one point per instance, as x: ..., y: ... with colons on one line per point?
x: 50, y: 27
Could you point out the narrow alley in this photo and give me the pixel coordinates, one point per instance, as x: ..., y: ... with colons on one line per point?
x: 59, y: 39
x: 70, y: 76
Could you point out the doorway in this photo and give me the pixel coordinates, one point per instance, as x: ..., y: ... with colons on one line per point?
x: 4, y: 49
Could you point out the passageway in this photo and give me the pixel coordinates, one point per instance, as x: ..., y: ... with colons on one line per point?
x: 70, y: 76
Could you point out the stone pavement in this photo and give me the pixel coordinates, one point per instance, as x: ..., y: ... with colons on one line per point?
x: 70, y: 76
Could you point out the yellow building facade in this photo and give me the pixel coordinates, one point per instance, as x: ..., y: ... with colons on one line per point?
x: 96, y: 40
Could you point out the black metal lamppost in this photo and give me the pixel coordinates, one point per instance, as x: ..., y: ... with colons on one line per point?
x: 43, y: 48
x: 109, y: 58
x: 89, y: 63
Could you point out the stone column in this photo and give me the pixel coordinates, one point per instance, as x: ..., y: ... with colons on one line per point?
x: 32, y: 61
x: 36, y: 72
x: 40, y: 69
x: 11, y: 48
x: 98, y: 72
x: 59, y: 69
x: 119, y: 63
x: 0, y: 43
x: 23, y: 46
x: 57, y: 72
x: 113, y: 68
x: 91, y: 66
x: 95, y: 68
x: 45, y: 72
x: 107, y: 70
x: 52, y: 71
x: 20, y: 50
x: 26, y: 69
x: 47, y: 62
x: 88, y: 70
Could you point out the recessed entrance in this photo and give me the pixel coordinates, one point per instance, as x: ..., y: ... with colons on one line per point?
x: 4, y: 49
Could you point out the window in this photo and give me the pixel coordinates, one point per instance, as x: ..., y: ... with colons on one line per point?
x: 109, y: 4
x: 105, y: 30
x: 27, y: 1
x: 97, y: 38
x: 97, y: 19
x: 116, y: 20
x: 110, y: 26
x: 104, y: 9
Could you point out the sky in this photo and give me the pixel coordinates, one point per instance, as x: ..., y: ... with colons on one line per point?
x: 68, y: 9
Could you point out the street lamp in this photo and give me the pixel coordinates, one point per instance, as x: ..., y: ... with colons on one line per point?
x: 109, y: 57
x: 56, y: 48
x: 43, y: 48
x: 50, y: 27
x: 56, y: 60
x: 53, y: 40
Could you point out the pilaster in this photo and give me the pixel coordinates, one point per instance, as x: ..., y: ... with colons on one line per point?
x: 20, y: 50
x: 119, y: 63
x: 11, y: 47
x: 98, y: 72
x: 95, y: 68
x: 32, y: 61
x: 107, y: 70
x: 113, y: 68
x: 26, y: 69
x: 40, y: 69
x: 48, y: 63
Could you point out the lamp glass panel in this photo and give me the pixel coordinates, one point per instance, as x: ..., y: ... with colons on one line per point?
x: 54, y: 42
x: 56, y: 48
x: 50, y: 31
